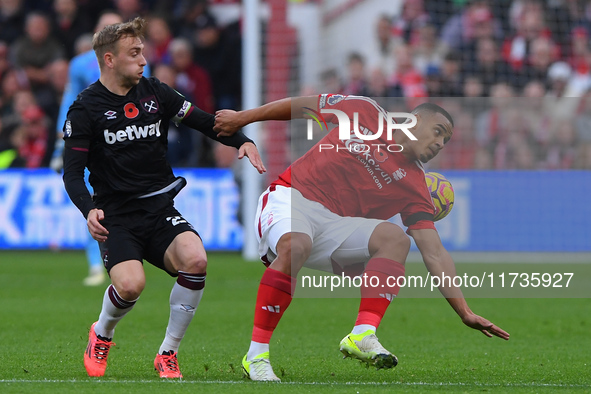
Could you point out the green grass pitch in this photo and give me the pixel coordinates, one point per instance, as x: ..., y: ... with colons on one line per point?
x: 45, y: 313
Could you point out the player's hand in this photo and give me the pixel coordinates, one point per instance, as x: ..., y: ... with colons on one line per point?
x: 96, y: 229
x: 227, y: 123
x: 486, y: 327
x: 250, y: 150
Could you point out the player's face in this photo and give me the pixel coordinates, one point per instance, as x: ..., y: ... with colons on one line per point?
x: 130, y: 61
x: 432, y: 132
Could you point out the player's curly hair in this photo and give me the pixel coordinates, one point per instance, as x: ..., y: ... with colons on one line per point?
x: 106, y: 40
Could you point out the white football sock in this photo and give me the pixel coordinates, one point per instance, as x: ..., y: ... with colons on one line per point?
x: 183, y: 303
x: 114, y: 308
x: 256, y: 348
x: 360, y: 329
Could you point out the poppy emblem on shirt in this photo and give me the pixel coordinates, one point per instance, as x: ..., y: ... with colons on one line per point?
x: 131, y: 111
x: 380, y: 156
x: 149, y: 104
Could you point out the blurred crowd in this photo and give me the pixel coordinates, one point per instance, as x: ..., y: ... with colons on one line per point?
x: 518, y: 70
x: 185, y: 47
x: 515, y: 74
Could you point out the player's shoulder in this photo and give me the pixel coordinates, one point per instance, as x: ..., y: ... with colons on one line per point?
x: 348, y: 101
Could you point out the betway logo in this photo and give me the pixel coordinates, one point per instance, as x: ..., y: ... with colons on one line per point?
x: 132, y: 133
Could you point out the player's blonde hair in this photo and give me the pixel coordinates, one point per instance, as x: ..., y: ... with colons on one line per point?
x: 106, y: 40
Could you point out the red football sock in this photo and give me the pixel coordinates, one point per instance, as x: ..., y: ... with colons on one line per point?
x: 375, y: 300
x: 273, y: 298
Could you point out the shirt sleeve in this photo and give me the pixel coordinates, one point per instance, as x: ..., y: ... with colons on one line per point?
x: 77, y: 135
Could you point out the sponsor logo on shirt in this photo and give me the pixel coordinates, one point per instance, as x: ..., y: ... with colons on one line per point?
x: 399, y: 174
x: 132, y: 133
x: 110, y: 114
x: 68, y: 131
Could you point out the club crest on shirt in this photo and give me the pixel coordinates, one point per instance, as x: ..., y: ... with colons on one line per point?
x: 149, y: 104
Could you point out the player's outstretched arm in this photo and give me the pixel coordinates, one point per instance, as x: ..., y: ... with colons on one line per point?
x: 250, y: 150
x: 227, y: 122
x: 439, y: 263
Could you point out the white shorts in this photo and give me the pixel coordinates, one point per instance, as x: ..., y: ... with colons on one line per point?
x: 336, y: 240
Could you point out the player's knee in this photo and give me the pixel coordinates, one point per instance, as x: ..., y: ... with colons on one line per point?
x: 130, y: 288
x: 294, y: 246
x: 390, y: 241
x: 194, y: 264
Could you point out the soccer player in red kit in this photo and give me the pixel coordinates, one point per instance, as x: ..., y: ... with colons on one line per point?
x: 329, y: 211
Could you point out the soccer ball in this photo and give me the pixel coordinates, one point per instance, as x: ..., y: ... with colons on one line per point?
x: 442, y: 194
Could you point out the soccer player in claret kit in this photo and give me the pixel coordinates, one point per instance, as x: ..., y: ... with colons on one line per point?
x: 117, y: 128
x: 329, y: 211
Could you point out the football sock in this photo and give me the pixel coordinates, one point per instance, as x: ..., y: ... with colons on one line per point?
x: 184, y: 300
x: 273, y: 298
x: 114, y: 308
x: 361, y: 328
x: 375, y: 300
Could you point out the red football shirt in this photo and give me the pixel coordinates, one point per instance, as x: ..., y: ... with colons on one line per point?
x: 367, y: 181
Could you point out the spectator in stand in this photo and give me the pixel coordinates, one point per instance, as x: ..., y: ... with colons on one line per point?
x: 537, y: 118
x: 473, y: 101
x: 158, y: 38
x: 12, y: 20
x: 531, y: 31
x: 451, y: 76
x: 427, y: 50
x: 561, y: 152
x: 191, y: 80
x: 406, y: 25
x: 462, y: 28
x: 583, y: 157
x: 542, y: 55
x: 184, y: 145
x: 580, y: 61
x: 494, y: 126
x: 37, y: 49
x: 488, y: 66
x: 4, y: 62
x: 30, y: 139
x: 377, y: 85
x: 406, y: 80
x: 356, y: 83
x: 69, y: 22
x: 128, y: 9
x: 188, y: 15
x: 583, y: 119
x: 331, y: 81
x: 83, y: 44
x: 559, y: 104
x: 462, y: 148
x: 384, y: 53
x: 565, y: 15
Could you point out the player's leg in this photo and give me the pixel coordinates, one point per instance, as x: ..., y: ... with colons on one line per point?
x: 186, y: 257
x: 96, y: 270
x: 388, y: 248
x: 273, y: 298
x: 128, y: 281
x: 284, y: 243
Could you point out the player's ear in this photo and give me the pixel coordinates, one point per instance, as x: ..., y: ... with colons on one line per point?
x: 108, y: 58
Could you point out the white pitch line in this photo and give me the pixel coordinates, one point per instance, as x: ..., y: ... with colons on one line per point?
x: 303, y: 383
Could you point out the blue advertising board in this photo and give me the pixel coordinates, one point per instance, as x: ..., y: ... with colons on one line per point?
x: 36, y: 213
x: 521, y: 211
